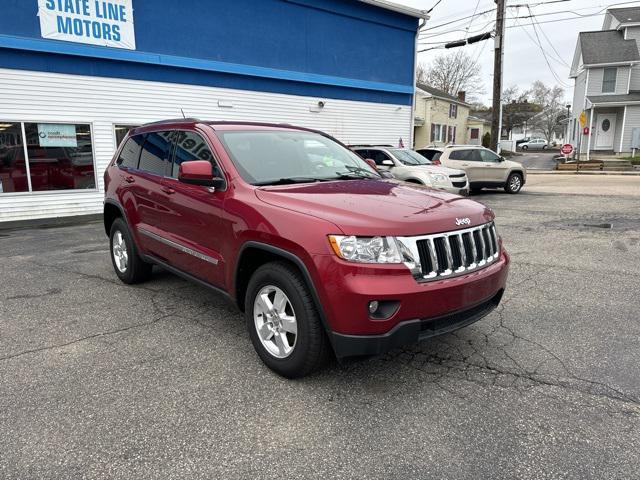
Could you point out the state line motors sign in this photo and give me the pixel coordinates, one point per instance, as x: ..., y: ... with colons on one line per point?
x: 97, y: 22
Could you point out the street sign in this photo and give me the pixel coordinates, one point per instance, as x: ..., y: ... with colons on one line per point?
x: 567, y: 149
x: 583, y: 119
x: 585, y: 131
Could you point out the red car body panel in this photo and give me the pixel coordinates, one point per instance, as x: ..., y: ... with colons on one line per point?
x: 297, y: 219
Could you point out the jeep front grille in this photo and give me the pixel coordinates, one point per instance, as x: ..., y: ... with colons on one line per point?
x: 452, y: 253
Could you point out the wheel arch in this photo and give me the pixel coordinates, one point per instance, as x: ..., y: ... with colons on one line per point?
x: 111, y: 211
x: 255, y: 254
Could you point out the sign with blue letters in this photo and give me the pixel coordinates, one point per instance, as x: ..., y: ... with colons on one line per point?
x: 57, y: 135
x: 97, y: 22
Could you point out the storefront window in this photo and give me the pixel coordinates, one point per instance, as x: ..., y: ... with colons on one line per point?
x: 13, y: 169
x: 60, y: 156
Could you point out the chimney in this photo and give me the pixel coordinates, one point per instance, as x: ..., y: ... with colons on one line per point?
x: 462, y: 96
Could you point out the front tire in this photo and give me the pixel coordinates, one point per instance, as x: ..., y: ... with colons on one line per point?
x: 524, y: 147
x: 128, y: 265
x: 283, y: 321
x: 514, y: 183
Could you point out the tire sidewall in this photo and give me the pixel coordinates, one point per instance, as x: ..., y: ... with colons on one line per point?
x: 525, y: 147
x: 509, y: 183
x: 272, y: 275
x: 119, y: 225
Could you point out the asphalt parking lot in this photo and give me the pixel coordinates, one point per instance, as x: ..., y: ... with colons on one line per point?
x: 103, y: 380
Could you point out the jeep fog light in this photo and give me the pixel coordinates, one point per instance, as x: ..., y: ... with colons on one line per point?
x: 373, y: 306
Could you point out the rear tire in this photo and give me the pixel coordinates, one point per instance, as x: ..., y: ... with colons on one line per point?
x: 283, y: 321
x: 127, y: 264
x: 544, y: 147
x: 514, y: 183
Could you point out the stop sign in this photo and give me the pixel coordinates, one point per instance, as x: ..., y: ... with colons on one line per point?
x: 567, y: 149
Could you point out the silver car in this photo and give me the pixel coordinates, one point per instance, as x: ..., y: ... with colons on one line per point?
x: 407, y: 165
x: 534, y: 144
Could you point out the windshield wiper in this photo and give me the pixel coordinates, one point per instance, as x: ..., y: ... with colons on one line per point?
x: 290, y: 181
x: 356, y: 173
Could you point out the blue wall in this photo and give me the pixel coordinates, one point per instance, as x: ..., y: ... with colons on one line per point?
x: 342, y: 48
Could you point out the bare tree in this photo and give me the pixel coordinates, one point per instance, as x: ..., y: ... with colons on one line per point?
x: 517, y: 111
x: 453, y: 73
x: 550, y: 102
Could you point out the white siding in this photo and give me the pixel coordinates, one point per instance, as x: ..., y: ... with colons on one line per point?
x: 633, y: 33
x: 632, y: 121
x: 595, y: 81
x: 635, y: 78
x: 578, y: 92
x: 103, y: 102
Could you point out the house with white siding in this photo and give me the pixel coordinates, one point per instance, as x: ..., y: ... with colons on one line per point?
x: 606, y: 72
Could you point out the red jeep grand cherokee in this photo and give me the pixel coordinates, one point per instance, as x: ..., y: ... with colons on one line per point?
x: 320, y: 252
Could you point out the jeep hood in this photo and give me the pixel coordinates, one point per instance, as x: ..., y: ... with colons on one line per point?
x: 378, y: 207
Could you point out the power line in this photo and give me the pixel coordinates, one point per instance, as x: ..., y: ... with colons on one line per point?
x: 549, y: 42
x: 546, y: 59
x: 473, y: 17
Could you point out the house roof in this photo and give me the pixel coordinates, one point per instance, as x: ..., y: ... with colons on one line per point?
x: 626, y: 15
x: 632, y: 97
x: 434, y: 92
x: 394, y: 7
x: 607, y: 47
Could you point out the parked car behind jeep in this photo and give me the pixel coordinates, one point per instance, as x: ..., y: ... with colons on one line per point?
x: 321, y: 254
x: 484, y: 168
x: 405, y: 164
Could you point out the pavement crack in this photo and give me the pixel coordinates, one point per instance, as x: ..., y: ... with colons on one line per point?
x: 83, y: 339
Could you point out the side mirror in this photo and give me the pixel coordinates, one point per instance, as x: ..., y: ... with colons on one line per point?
x: 199, y: 172
x: 388, y: 163
x: 502, y: 159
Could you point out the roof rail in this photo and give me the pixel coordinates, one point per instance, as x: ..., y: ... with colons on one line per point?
x: 172, y: 120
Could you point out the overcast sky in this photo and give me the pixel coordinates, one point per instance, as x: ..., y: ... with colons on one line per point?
x: 524, y: 61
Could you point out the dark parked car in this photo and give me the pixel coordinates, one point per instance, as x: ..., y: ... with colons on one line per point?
x: 321, y: 253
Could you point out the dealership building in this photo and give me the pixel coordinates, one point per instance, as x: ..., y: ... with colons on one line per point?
x: 75, y: 75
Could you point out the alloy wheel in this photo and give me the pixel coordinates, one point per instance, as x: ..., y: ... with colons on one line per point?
x: 275, y: 321
x: 515, y: 183
x: 119, y: 251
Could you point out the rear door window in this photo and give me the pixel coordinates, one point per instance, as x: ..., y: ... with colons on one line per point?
x: 130, y: 154
x: 156, y: 153
x: 461, y: 155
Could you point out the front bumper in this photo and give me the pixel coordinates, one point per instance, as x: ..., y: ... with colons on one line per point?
x: 423, y: 308
x: 411, y: 331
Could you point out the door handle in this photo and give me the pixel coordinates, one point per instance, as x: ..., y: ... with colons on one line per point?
x: 465, y: 164
x: 168, y: 190
x: 129, y: 179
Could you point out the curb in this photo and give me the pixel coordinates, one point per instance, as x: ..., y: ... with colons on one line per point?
x: 50, y: 222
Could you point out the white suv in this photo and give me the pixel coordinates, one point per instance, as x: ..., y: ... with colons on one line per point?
x: 484, y: 168
x: 407, y: 165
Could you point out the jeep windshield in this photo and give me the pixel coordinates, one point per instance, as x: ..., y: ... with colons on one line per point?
x: 409, y: 157
x: 279, y: 157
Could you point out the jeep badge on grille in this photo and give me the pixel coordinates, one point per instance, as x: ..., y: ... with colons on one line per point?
x: 463, y: 221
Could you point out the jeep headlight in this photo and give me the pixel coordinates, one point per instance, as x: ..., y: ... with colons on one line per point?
x: 438, y: 178
x: 367, y: 249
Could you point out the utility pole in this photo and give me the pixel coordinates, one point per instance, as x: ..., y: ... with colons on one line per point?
x: 497, y: 75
